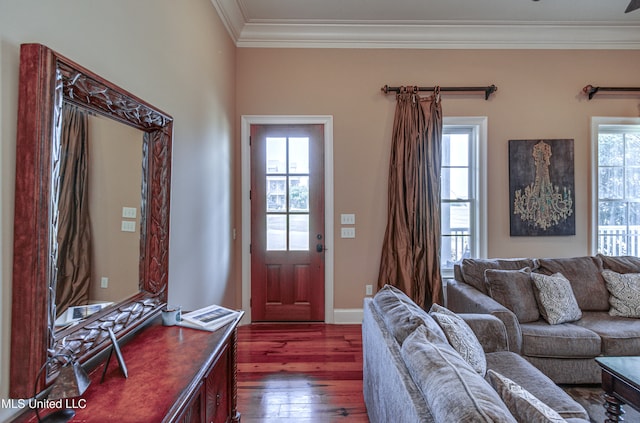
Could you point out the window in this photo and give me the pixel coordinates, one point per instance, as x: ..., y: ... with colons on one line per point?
x: 616, y: 174
x: 463, y: 191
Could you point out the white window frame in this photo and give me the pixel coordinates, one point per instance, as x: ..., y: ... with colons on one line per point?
x: 596, y: 123
x: 478, y: 185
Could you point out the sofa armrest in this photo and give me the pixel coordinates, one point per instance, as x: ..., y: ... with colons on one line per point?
x: 463, y: 298
x: 489, y: 330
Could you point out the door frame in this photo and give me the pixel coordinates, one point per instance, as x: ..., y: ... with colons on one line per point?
x: 327, y: 122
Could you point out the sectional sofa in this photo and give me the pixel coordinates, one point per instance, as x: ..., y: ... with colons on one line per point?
x: 559, y: 313
x: 439, y: 366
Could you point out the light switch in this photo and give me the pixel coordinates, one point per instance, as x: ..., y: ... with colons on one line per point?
x: 348, y: 219
x: 348, y: 232
x: 104, y: 282
x: 129, y: 212
x: 128, y: 226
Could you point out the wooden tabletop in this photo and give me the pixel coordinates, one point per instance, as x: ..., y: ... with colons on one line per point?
x: 165, y: 366
x: 626, y: 368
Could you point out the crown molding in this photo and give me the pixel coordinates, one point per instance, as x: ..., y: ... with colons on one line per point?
x: 426, y: 35
x: 435, y: 36
x: 232, y: 17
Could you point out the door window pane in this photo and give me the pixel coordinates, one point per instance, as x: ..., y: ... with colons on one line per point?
x: 299, y: 232
x: 276, y: 193
x: 276, y: 232
x: 276, y: 155
x: 298, y: 155
x: 299, y: 193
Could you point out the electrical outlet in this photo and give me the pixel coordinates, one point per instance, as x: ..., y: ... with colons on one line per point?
x: 104, y: 282
x: 368, y: 289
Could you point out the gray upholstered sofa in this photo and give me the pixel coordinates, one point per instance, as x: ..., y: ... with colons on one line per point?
x: 565, y: 352
x: 412, y: 373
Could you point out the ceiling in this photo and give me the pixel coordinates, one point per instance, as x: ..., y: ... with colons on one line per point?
x: 555, y: 24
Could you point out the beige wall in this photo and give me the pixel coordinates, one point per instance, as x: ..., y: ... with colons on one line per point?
x: 539, y: 96
x: 115, y: 181
x: 176, y: 55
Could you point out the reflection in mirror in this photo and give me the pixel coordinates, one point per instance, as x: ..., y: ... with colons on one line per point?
x: 103, y: 268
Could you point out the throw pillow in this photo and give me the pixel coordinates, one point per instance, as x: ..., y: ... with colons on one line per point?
x: 454, y: 392
x: 555, y: 298
x: 460, y: 337
x: 402, y: 316
x: 625, y: 293
x: 525, y: 407
x: 514, y: 290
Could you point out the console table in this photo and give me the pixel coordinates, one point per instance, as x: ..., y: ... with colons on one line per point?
x: 176, y: 374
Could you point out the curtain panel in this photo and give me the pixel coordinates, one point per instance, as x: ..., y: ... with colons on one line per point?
x: 411, y: 250
x: 74, y: 230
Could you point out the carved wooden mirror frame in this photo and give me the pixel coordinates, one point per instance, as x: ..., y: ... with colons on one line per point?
x: 47, y: 80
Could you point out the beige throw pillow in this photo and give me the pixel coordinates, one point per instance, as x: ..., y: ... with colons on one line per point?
x: 461, y: 337
x: 525, y: 407
x: 625, y: 293
x: 556, y: 299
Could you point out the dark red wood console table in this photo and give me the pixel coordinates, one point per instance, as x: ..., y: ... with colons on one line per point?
x: 176, y: 374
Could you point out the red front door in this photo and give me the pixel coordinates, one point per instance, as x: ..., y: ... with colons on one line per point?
x: 287, y: 222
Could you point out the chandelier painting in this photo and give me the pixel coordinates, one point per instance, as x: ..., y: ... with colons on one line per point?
x: 541, y: 187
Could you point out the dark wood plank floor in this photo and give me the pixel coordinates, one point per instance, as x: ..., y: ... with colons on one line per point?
x: 300, y: 373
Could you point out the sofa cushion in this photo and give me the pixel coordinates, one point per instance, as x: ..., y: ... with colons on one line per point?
x: 402, y: 316
x: 453, y: 390
x: 473, y: 269
x: 533, y: 380
x: 625, y: 293
x: 460, y: 337
x: 619, y: 335
x: 524, y: 406
x: 514, y: 290
x: 621, y: 264
x: 556, y: 300
x: 585, y: 276
x: 540, y: 339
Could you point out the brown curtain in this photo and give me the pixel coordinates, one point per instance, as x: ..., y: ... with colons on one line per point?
x: 74, y: 231
x: 411, y: 250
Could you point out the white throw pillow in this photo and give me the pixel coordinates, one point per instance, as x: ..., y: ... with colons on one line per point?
x: 525, y: 407
x: 461, y: 337
x: 625, y: 293
x: 556, y: 299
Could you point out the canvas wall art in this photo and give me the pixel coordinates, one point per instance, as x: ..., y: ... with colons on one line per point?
x: 541, y: 187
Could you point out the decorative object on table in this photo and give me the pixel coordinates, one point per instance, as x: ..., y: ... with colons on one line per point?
x: 171, y: 315
x: 71, y: 382
x: 209, y: 318
x: 541, y: 187
x: 115, y: 348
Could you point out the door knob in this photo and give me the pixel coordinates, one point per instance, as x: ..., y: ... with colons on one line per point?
x: 319, y: 248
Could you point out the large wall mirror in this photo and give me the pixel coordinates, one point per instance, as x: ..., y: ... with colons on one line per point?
x: 91, y: 227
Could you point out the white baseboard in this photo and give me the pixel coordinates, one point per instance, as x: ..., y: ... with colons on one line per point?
x: 347, y: 316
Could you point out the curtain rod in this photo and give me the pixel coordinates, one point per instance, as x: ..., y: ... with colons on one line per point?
x: 591, y: 90
x: 487, y: 90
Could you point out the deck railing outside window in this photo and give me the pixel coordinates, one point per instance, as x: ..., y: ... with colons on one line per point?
x: 619, y: 240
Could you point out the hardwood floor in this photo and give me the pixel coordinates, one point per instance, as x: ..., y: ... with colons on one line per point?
x: 300, y: 373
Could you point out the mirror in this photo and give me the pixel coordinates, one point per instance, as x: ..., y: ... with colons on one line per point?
x: 50, y: 84
x: 113, y: 200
